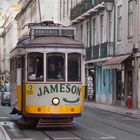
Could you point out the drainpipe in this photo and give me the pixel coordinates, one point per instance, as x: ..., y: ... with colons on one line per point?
x: 114, y: 29
x: 135, y: 84
x: 90, y: 30
x: 114, y: 45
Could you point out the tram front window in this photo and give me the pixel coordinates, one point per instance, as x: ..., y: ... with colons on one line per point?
x: 74, y: 67
x: 55, y: 66
x: 35, y: 66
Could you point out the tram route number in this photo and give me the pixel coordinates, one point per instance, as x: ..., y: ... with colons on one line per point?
x: 30, y: 89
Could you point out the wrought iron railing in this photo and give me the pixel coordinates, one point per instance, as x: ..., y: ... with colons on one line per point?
x: 88, y: 53
x: 82, y: 7
x: 100, y: 51
x: 95, y: 52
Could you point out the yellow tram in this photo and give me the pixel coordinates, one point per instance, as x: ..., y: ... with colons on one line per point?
x: 47, y: 75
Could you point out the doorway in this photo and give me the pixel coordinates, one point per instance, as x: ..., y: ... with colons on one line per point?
x: 118, y: 88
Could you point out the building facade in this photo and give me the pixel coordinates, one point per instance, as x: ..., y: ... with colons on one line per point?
x: 110, y: 32
x: 95, y: 29
x: 65, y: 7
x: 35, y: 11
x: 8, y: 38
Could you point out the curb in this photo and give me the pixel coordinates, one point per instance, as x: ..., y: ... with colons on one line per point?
x: 128, y: 113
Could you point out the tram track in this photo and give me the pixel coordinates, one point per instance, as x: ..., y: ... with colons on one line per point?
x: 62, y: 134
x: 117, y: 125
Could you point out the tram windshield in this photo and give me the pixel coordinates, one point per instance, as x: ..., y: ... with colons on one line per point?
x: 55, y: 66
x: 35, y: 66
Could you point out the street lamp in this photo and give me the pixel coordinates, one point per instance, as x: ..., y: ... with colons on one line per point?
x: 109, y: 5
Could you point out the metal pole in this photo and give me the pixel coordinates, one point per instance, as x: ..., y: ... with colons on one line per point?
x: 40, y: 15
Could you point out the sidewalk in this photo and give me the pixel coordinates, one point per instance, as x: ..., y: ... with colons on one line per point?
x: 115, y: 109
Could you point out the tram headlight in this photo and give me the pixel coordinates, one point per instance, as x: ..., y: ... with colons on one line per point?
x: 55, y: 101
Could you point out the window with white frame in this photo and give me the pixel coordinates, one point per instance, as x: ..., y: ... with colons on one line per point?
x: 81, y: 29
x: 93, y: 2
x: 67, y: 7
x: 101, y: 28
x: 63, y: 8
x: 88, y: 34
x: 119, y: 23
x: 94, y: 32
x: 71, y: 3
x: 60, y: 9
x: 110, y: 26
x: 130, y: 18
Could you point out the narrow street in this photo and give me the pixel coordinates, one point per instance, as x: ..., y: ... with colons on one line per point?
x: 93, y: 125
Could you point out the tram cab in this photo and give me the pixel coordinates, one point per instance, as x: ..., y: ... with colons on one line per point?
x: 47, y: 74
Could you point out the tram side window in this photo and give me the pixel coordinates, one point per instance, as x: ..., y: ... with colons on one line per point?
x: 74, y: 67
x: 55, y: 66
x: 35, y: 67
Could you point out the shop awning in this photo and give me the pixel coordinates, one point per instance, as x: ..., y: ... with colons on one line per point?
x: 115, y: 62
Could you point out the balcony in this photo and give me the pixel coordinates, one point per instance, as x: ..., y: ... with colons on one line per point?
x: 95, y: 52
x: 99, y: 51
x: 88, y: 53
x: 83, y: 7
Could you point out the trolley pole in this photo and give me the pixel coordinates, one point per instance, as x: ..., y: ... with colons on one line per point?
x: 40, y: 15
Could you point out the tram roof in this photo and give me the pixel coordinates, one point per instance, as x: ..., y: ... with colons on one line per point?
x: 49, y: 41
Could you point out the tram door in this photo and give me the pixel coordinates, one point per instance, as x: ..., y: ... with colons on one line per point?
x: 20, y: 82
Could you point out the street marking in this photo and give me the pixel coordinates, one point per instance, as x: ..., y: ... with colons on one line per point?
x: 67, y: 138
x: 22, y: 139
x: 4, y: 117
x: 108, y: 138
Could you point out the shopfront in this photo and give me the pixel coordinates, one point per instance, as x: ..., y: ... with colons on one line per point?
x: 122, y: 78
x: 91, y: 82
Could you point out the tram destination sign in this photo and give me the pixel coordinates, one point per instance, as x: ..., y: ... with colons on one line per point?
x: 52, y: 31
x: 38, y: 32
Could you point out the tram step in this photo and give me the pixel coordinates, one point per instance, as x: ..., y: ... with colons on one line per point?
x: 54, y: 123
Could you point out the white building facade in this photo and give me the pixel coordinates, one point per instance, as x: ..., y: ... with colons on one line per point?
x: 112, y: 40
x: 8, y: 38
x: 65, y: 7
x: 94, y: 25
x: 35, y: 11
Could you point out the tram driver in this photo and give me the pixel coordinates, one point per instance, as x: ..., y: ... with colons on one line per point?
x: 52, y: 72
x: 55, y: 68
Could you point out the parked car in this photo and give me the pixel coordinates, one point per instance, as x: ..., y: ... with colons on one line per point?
x: 1, y: 88
x: 5, y: 95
